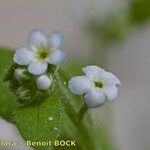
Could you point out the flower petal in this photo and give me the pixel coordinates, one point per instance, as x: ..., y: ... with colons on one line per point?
x: 94, y: 97
x: 93, y: 71
x: 55, y: 39
x: 79, y: 85
x: 111, y: 92
x: 37, y: 67
x: 23, y: 56
x: 37, y: 38
x: 111, y: 78
x: 56, y: 56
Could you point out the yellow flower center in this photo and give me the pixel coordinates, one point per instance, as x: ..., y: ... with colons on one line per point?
x: 98, y: 84
x: 43, y: 52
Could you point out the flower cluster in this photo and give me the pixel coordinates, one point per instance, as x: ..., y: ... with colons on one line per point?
x: 40, y: 52
x: 96, y: 86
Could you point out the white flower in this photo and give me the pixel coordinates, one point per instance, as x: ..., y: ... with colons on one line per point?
x: 19, y: 73
x: 97, y: 86
x: 40, y: 52
x: 43, y: 82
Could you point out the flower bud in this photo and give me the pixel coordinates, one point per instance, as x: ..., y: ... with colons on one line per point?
x: 19, y: 73
x: 43, y: 82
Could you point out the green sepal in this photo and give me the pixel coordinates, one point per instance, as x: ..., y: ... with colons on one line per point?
x: 25, y: 88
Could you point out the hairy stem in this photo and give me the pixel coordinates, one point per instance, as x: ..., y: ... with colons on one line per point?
x: 82, y: 112
x: 76, y: 117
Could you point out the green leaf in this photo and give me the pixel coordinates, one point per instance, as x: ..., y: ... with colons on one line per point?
x: 7, y: 99
x: 5, y: 59
x: 7, y: 105
x: 41, y: 122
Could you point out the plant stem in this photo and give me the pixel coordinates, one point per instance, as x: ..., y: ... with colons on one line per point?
x: 76, y: 117
x: 82, y: 112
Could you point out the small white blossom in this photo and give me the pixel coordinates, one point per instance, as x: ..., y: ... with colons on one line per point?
x: 40, y: 52
x: 96, y: 86
x: 43, y: 82
x: 19, y: 73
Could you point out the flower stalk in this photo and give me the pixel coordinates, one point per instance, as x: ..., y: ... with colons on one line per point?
x: 84, y: 109
x: 76, y: 117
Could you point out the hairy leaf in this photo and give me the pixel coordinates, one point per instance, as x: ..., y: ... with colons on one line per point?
x: 41, y: 122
